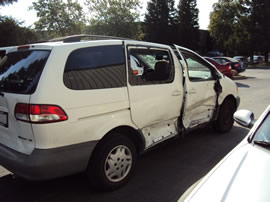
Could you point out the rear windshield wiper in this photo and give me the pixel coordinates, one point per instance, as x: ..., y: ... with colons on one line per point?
x: 262, y: 143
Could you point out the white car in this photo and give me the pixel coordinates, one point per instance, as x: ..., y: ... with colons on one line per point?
x: 74, y: 105
x: 243, y: 175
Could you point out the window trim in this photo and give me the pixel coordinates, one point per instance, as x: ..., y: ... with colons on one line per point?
x: 146, y: 47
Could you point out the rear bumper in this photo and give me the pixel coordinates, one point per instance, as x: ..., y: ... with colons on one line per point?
x: 44, y: 164
x: 240, y: 69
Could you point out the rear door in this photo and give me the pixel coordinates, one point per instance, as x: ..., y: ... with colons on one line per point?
x: 201, y: 89
x: 19, y: 75
x: 156, y: 95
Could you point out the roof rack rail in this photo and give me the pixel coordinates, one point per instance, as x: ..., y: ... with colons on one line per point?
x: 77, y: 38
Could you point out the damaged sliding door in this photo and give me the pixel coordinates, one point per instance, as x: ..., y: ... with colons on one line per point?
x: 200, y: 95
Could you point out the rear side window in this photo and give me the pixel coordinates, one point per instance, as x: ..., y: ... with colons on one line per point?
x: 96, y: 68
x: 20, y: 71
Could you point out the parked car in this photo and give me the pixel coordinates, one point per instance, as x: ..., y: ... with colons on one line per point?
x: 242, y: 59
x: 223, y: 68
x: 243, y: 175
x: 238, y: 66
x: 257, y: 59
x: 214, y: 53
x: 75, y: 105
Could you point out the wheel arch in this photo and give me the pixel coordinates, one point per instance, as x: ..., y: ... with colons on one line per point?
x: 221, y: 101
x: 230, y: 97
x: 134, y: 135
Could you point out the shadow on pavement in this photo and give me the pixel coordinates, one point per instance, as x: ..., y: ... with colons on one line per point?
x: 241, y: 85
x: 250, y: 77
x: 161, y: 174
x: 259, y: 67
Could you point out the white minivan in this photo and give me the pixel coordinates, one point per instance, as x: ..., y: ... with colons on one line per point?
x: 78, y: 105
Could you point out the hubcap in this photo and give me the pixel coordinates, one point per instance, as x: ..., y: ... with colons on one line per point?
x: 118, y: 163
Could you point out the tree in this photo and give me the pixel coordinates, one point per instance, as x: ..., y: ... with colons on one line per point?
x: 115, y: 18
x: 241, y: 26
x: 5, y: 2
x: 13, y: 34
x: 160, y: 21
x: 188, y: 27
x: 57, y: 18
x: 260, y: 26
x: 229, y: 23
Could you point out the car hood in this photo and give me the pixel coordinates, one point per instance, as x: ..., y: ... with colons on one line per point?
x: 243, y: 175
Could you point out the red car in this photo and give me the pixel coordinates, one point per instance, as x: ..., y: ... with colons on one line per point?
x: 223, y: 68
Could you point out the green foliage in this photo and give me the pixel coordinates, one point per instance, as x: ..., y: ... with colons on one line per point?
x: 223, y: 21
x: 5, y: 2
x: 57, y: 18
x: 241, y: 26
x: 260, y: 26
x: 13, y: 34
x: 160, y: 21
x: 115, y: 18
x: 188, y: 28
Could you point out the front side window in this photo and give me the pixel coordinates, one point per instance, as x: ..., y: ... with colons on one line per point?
x: 96, y: 67
x: 198, y: 70
x: 20, y: 71
x: 150, y: 66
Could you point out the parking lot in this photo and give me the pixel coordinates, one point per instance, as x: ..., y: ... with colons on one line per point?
x: 161, y: 174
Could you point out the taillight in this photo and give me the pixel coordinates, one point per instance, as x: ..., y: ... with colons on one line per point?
x: 236, y: 65
x: 39, y: 113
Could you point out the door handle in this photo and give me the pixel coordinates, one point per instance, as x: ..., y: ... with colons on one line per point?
x: 192, y: 91
x: 176, y: 93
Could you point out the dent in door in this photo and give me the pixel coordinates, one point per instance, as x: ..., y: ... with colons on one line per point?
x: 202, y: 110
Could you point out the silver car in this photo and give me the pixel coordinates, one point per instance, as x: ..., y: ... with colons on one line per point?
x: 243, y: 175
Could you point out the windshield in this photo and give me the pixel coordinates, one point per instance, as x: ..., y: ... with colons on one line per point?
x: 263, y: 133
x: 20, y: 71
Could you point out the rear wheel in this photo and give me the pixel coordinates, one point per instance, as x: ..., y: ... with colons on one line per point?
x: 113, y: 162
x: 225, y: 119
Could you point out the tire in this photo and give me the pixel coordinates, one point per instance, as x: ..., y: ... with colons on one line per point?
x: 112, y: 162
x: 225, y: 120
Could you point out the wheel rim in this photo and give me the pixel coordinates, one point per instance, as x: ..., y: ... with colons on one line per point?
x: 118, y: 163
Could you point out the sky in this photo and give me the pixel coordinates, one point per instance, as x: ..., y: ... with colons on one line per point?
x: 21, y: 12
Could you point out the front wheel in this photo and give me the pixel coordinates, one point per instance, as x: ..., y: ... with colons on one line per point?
x: 225, y: 120
x: 113, y: 162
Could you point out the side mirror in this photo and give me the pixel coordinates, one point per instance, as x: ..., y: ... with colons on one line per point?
x: 244, y: 118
